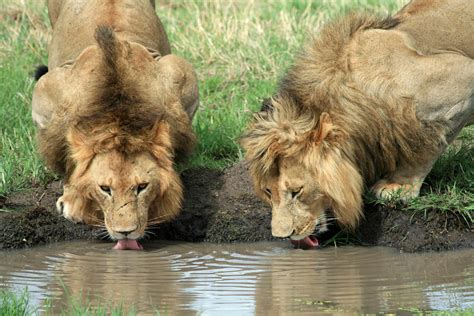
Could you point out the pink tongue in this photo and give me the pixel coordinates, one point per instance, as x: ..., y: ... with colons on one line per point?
x: 124, y: 244
x: 309, y: 242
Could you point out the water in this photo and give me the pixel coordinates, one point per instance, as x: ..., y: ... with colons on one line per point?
x: 240, y: 279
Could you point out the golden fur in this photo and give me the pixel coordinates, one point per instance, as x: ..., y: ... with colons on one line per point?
x: 114, y: 119
x: 347, y: 115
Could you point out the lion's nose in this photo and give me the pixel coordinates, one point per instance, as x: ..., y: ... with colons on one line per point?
x: 126, y: 232
x: 282, y: 226
x: 282, y: 232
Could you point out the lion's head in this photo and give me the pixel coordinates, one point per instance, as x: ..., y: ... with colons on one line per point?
x: 300, y: 168
x: 117, y: 129
x: 130, y: 190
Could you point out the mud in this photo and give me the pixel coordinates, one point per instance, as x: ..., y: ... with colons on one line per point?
x: 219, y: 207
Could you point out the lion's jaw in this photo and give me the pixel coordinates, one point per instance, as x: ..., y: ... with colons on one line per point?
x: 298, y: 205
x: 124, y: 189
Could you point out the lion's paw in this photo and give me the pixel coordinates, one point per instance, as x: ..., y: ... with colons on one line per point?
x: 64, y: 207
x: 394, y: 191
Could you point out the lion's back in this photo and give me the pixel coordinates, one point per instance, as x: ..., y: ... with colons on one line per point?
x: 439, y: 25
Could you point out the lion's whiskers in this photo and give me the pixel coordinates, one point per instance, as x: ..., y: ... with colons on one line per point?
x: 152, y: 225
x: 157, y: 217
x: 104, y: 234
x: 156, y: 220
x: 155, y: 224
x: 149, y: 234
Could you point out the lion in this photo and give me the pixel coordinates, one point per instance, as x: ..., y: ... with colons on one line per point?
x: 113, y: 114
x: 370, y: 103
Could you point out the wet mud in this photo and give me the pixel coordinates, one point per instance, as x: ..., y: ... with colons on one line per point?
x: 220, y: 207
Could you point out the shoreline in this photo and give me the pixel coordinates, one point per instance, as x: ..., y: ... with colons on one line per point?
x: 220, y: 207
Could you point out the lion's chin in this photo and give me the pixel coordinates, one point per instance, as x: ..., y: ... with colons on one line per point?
x: 307, y: 242
x: 127, y: 244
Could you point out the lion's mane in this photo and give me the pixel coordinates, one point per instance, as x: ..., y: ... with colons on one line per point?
x: 118, y: 117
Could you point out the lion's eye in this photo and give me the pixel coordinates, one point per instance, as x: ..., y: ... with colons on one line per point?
x: 106, y: 189
x: 141, y: 187
x: 296, y: 193
x: 268, y: 192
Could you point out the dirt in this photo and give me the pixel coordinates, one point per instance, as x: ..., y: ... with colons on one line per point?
x: 220, y: 206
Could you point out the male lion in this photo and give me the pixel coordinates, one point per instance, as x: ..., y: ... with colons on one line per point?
x: 371, y: 102
x: 113, y: 112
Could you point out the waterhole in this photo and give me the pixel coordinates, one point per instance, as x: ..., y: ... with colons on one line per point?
x: 258, y: 278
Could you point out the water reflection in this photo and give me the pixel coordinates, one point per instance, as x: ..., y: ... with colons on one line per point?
x: 266, y: 278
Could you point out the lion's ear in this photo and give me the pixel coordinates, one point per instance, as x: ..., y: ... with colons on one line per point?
x: 324, y: 130
x: 79, y: 150
x: 267, y: 105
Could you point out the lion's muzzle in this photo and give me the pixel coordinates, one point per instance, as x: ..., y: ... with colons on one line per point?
x: 282, y: 224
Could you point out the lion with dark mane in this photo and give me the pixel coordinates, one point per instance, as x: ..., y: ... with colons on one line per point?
x: 113, y: 114
x: 371, y: 102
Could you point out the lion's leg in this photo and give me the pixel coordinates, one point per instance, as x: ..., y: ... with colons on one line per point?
x: 404, y: 189
x: 180, y: 80
x: 77, y: 208
x: 405, y: 183
x: 71, y: 206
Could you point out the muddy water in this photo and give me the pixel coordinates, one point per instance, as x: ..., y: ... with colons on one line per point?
x: 263, y: 278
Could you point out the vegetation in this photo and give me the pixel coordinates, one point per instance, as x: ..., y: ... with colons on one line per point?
x: 12, y: 304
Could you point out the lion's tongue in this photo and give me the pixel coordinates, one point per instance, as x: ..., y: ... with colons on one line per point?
x: 309, y: 242
x: 124, y: 244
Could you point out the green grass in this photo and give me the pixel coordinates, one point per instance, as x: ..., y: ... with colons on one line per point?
x: 451, y: 182
x: 419, y: 312
x: 17, y: 304
x: 21, y: 48
x: 12, y: 304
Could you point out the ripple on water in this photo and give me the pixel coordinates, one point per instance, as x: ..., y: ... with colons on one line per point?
x: 263, y: 278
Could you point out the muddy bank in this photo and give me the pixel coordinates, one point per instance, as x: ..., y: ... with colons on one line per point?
x: 220, y: 206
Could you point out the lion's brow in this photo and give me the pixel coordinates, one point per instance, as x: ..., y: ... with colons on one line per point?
x: 151, y: 169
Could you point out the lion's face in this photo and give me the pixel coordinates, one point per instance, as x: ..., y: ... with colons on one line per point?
x: 124, y: 188
x: 300, y: 166
x: 125, y: 184
x: 298, y: 204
